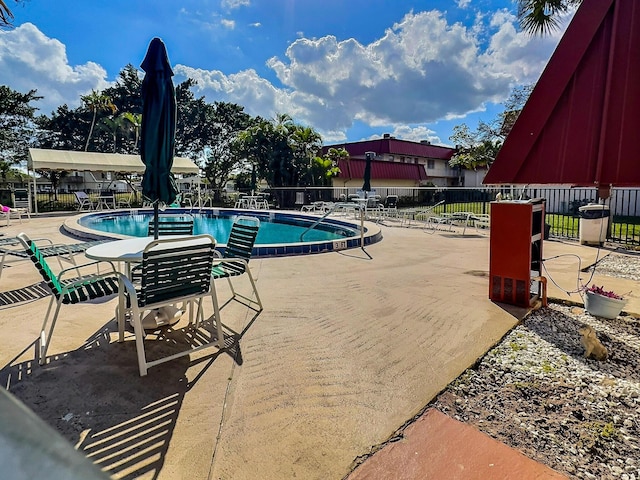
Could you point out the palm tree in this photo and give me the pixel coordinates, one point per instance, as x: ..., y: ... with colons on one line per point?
x: 135, y: 119
x: 5, y: 15
x: 112, y: 125
x: 95, y: 102
x: 540, y: 17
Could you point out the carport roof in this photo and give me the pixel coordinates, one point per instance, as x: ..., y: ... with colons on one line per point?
x: 44, y: 159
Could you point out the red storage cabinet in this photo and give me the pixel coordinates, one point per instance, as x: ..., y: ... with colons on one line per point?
x: 515, y: 252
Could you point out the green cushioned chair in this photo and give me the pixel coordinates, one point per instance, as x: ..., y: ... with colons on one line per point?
x: 85, y: 287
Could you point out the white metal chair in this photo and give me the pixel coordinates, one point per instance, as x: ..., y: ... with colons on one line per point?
x: 173, y: 271
x: 101, y: 283
x: 84, y: 201
x: 235, y: 260
x: 21, y: 202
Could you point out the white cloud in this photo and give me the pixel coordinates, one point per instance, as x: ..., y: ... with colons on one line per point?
x: 463, y: 3
x: 416, y: 134
x: 231, y: 4
x: 422, y: 69
x: 30, y: 60
x: 230, y: 24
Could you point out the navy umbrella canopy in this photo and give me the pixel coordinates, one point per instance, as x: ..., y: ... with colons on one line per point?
x: 158, y: 127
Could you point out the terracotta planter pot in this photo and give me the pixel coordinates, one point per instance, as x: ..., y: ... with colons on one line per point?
x: 601, y: 306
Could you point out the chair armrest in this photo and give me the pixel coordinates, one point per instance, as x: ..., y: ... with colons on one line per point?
x: 217, y: 261
x: 46, y: 240
x: 110, y: 272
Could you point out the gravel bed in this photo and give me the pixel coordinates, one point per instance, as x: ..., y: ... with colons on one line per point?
x: 536, y: 392
x: 619, y: 265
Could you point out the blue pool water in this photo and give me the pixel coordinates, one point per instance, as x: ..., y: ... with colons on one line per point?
x: 272, y: 230
x: 279, y: 233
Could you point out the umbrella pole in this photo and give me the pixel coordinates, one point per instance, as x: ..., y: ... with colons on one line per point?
x: 155, y: 220
x: 362, y: 232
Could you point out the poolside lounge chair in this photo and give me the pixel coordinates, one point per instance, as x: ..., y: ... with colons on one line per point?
x: 423, y: 214
x: 96, y: 281
x: 84, y: 201
x: 8, y: 213
x: 172, y: 226
x: 235, y: 260
x: 481, y: 221
x: 47, y: 249
x: 21, y: 202
x: 391, y: 206
x: 173, y: 270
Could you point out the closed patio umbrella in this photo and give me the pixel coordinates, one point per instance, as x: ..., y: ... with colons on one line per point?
x: 367, y: 172
x: 158, y: 128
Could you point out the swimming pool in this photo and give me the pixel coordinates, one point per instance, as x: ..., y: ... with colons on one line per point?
x: 279, y: 233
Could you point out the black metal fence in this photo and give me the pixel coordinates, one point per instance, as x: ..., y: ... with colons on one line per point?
x: 562, y: 203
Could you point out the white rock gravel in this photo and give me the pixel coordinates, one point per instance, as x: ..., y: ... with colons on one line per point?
x: 537, y: 393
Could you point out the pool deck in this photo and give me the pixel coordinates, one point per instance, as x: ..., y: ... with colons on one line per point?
x: 348, y: 350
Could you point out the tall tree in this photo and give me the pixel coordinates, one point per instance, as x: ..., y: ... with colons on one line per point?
x: 17, y: 125
x: 113, y: 125
x: 65, y: 130
x: 135, y: 124
x: 480, y: 147
x: 225, y: 121
x: 97, y: 102
x: 125, y: 94
x: 541, y: 17
x: 306, y: 143
x: 280, y: 152
x: 324, y: 168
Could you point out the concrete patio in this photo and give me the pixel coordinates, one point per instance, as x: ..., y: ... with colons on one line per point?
x: 347, y: 350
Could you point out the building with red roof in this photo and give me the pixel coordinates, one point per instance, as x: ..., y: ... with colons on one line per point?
x: 397, y: 163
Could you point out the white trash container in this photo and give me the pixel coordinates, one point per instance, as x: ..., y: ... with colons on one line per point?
x: 594, y: 224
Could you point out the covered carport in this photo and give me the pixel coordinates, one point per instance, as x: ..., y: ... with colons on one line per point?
x: 67, y: 160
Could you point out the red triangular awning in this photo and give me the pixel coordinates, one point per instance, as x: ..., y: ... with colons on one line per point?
x: 581, y: 124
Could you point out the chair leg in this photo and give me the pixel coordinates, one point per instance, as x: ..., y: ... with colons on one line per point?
x: 4, y: 256
x: 45, y: 337
x: 255, y: 290
x: 136, y: 316
x: 216, y: 314
x: 235, y: 295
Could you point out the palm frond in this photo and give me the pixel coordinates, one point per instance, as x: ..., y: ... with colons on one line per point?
x: 541, y: 17
x: 5, y: 15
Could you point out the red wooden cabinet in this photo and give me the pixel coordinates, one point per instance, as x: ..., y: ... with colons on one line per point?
x: 515, y: 256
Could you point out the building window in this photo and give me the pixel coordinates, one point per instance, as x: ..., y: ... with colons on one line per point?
x: 431, y: 163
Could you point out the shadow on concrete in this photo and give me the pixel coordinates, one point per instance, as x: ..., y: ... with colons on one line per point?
x: 22, y: 295
x: 96, y: 399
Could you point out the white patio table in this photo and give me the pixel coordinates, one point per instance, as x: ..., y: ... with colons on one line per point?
x: 129, y: 251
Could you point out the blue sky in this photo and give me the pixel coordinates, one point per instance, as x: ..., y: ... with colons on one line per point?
x: 351, y: 69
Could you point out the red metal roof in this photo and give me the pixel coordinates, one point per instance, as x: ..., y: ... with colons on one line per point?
x: 582, y: 122
x: 382, y: 170
x: 393, y: 146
